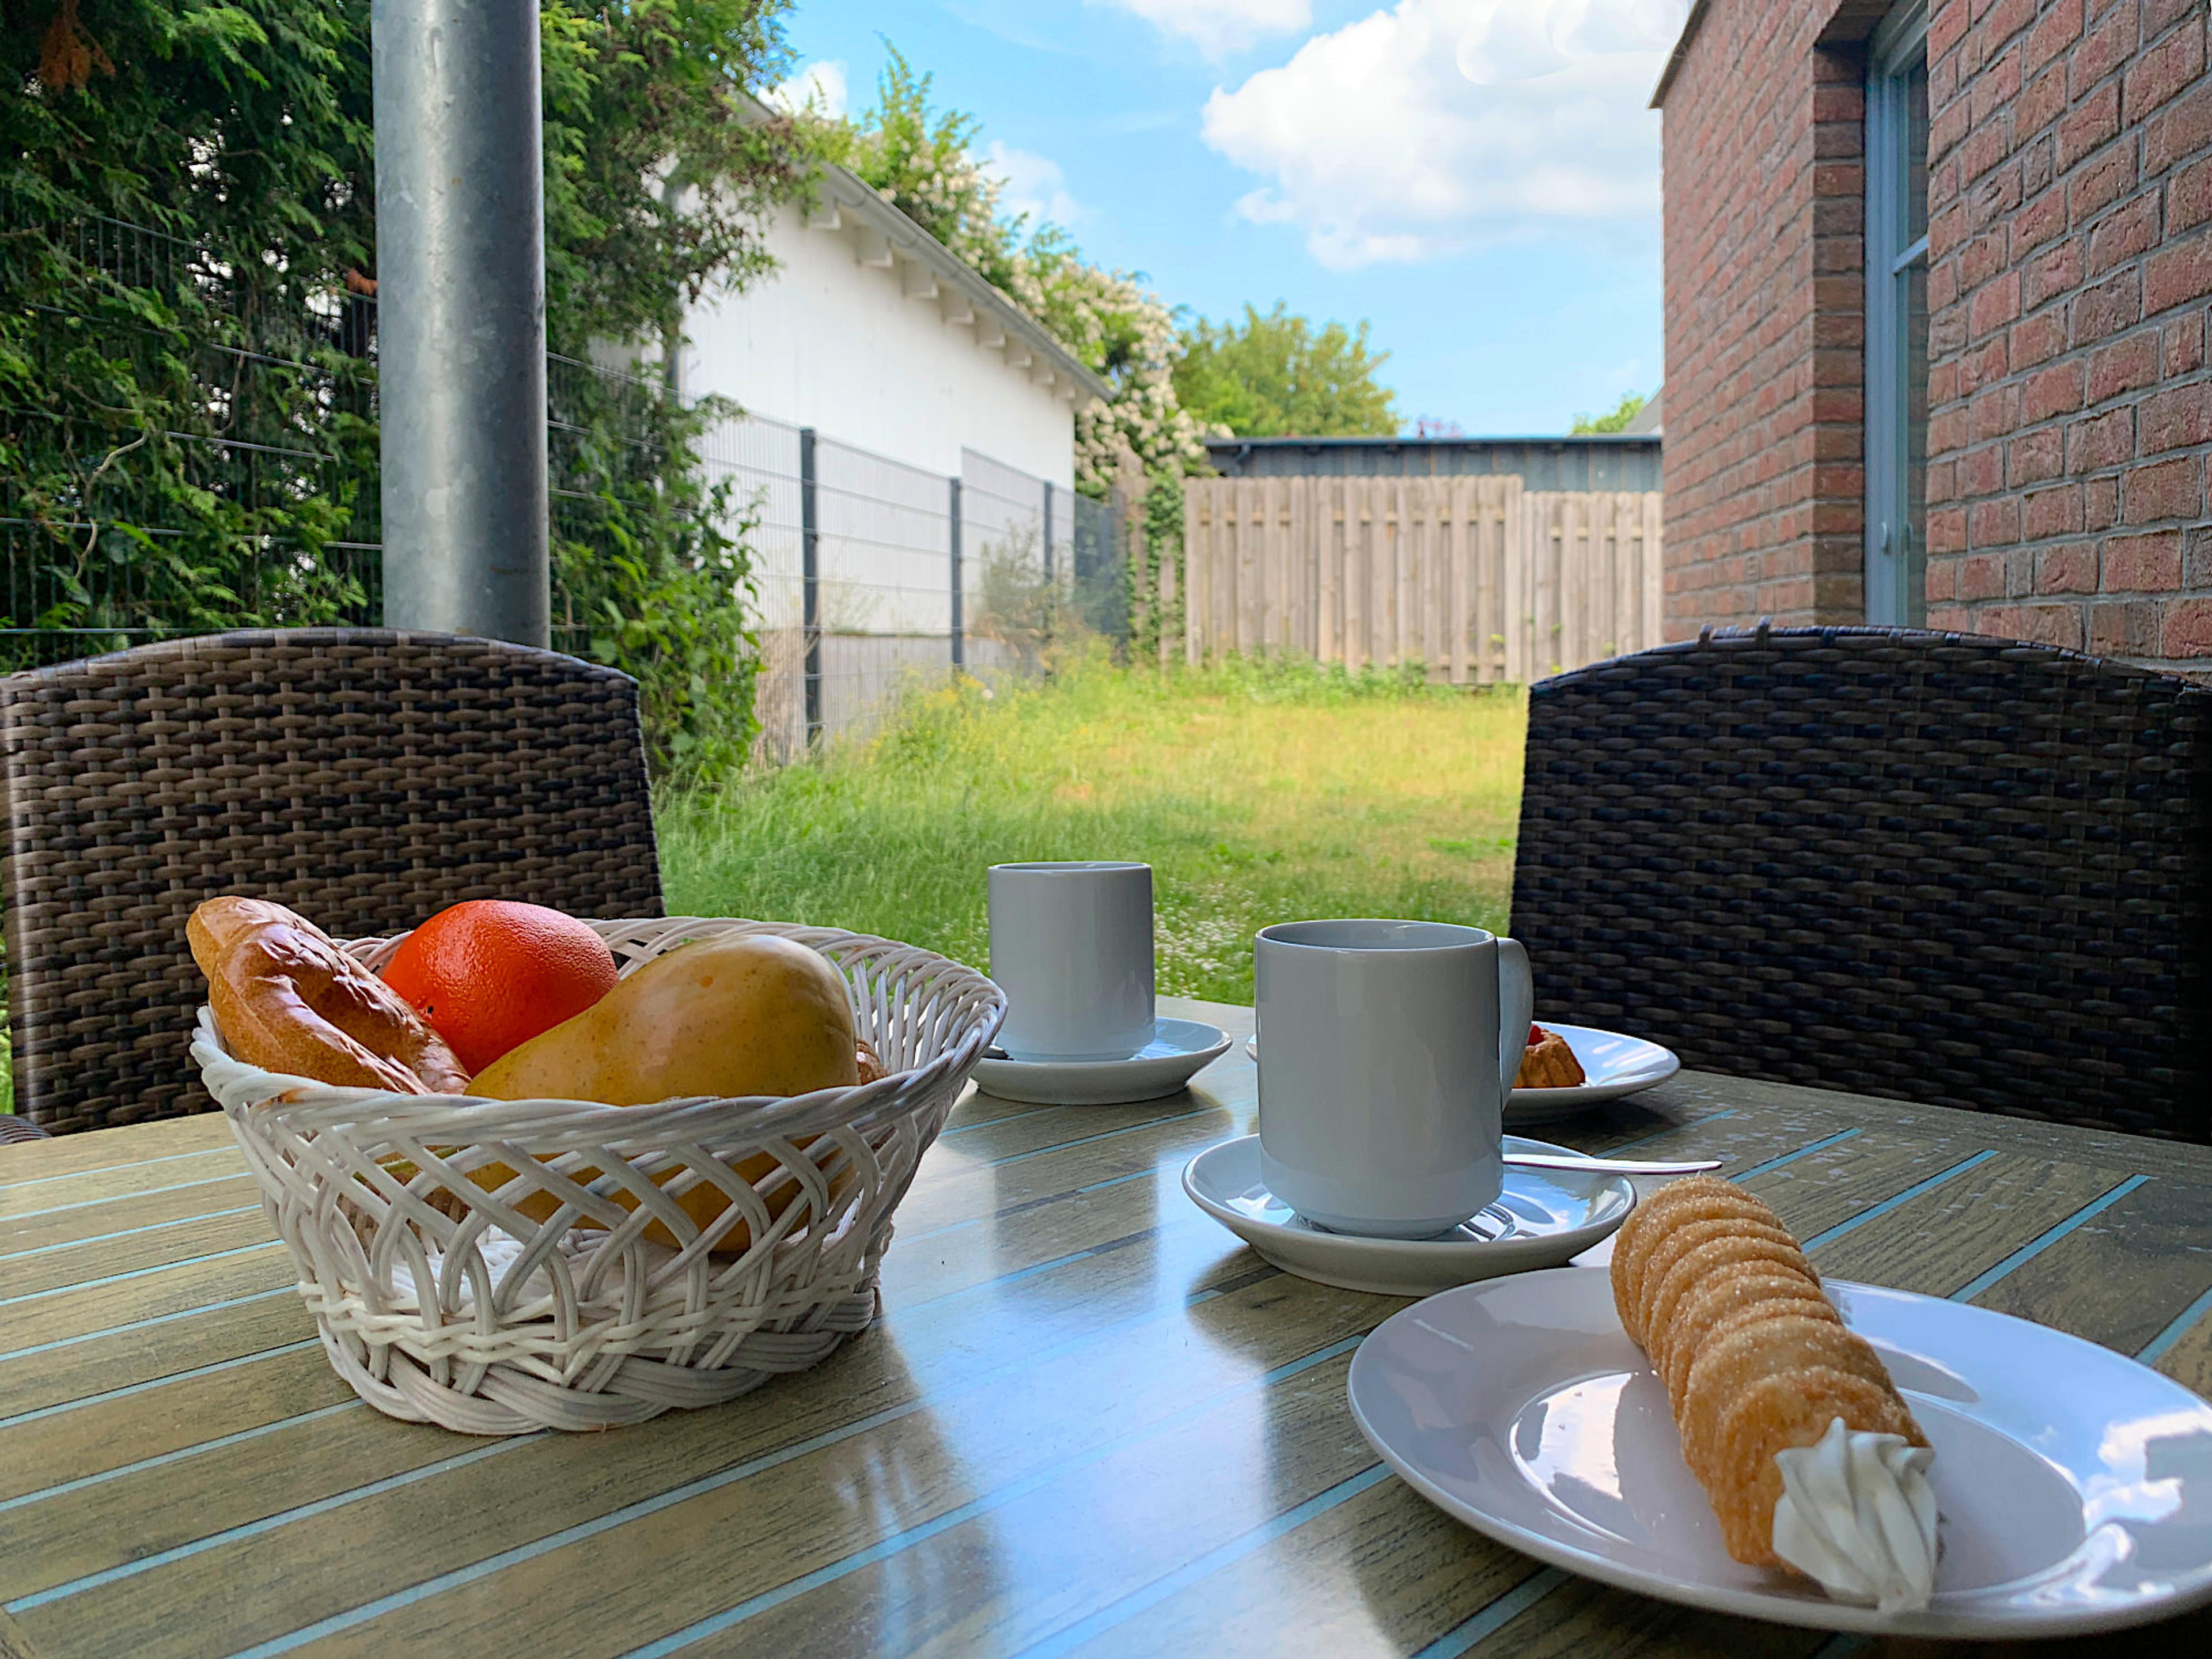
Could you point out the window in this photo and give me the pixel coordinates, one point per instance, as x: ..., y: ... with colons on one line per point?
x: 1897, y: 320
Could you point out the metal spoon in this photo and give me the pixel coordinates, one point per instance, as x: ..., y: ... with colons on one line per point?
x: 1610, y: 1165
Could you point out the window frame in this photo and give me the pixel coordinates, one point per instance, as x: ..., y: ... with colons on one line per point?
x: 1899, y: 45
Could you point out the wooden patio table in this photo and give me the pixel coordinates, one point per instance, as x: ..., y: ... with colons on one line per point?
x: 1089, y: 1422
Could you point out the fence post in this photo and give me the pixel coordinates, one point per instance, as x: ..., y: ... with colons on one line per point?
x: 1048, y: 531
x: 959, y: 643
x: 810, y: 584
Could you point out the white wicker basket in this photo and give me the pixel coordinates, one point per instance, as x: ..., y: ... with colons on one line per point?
x: 579, y: 1321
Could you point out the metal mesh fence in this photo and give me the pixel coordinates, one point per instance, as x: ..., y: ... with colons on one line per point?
x: 868, y: 575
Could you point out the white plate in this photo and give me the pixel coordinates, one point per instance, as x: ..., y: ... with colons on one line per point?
x: 2075, y: 1486
x: 1179, y: 1050
x: 1554, y: 1214
x: 1613, y: 1064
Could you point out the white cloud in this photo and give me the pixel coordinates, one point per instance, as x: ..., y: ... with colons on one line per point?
x: 820, y: 83
x: 1035, y: 185
x: 1416, y: 131
x: 1218, y: 28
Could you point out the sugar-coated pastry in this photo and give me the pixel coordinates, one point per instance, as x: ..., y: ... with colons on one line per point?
x: 1790, y: 1420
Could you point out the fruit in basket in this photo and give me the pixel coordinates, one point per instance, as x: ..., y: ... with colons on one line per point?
x: 748, y: 1015
x: 286, y: 999
x: 751, y: 1014
x: 489, y: 974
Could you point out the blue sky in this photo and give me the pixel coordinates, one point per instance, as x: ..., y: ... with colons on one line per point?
x: 1478, y: 179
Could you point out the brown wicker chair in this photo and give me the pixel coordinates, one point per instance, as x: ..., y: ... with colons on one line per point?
x: 1929, y: 867
x: 365, y: 777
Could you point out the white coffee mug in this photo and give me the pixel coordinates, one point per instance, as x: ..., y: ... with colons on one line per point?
x: 1387, y: 1051
x: 1072, y: 947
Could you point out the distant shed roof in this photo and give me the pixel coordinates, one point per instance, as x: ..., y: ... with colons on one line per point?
x: 1597, y: 461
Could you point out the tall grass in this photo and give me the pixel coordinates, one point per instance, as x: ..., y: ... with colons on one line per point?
x: 1259, y: 792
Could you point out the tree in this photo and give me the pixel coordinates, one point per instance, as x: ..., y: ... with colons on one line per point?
x: 187, y: 238
x: 1277, y: 376
x: 1623, y: 413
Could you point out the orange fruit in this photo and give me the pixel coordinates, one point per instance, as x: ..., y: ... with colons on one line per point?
x: 489, y: 974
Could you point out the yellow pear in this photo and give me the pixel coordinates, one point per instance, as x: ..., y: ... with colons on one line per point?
x: 751, y: 1014
x: 747, y: 1014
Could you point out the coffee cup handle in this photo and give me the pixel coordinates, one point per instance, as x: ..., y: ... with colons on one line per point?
x: 1516, y: 1007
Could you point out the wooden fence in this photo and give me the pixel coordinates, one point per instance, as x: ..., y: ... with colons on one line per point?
x: 1475, y: 577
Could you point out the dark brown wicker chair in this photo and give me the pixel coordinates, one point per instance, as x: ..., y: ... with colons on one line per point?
x: 1929, y: 867
x: 365, y: 777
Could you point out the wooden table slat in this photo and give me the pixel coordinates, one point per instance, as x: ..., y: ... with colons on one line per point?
x: 1091, y: 1422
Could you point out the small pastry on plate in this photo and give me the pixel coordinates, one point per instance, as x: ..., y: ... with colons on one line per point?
x: 1811, y: 1459
x: 1548, y: 1063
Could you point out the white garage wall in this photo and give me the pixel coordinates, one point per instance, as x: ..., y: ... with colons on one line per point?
x: 830, y: 342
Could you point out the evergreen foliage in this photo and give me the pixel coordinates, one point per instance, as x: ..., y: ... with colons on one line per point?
x: 187, y: 423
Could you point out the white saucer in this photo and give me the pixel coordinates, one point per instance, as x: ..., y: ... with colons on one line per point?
x: 1554, y: 1215
x: 1179, y: 1050
x: 2073, y: 1484
x: 1615, y: 1065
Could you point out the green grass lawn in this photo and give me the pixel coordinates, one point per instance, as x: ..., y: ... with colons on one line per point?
x: 1257, y: 793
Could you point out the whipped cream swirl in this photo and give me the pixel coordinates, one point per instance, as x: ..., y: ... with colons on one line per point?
x: 1857, y: 1514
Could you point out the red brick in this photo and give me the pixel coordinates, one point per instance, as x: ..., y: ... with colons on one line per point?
x: 2034, y: 456
x: 2107, y: 440
x: 2164, y: 68
x: 2069, y: 568
x: 1994, y: 304
x: 2053, y: 271
x: 2178, y: 272
x: 1981, y: 471
x: 2157, y: 13
x: 2054, y: 511
x: 2043, y: 218
x: 2050, y: 624
x: 2105, y: 46
x: 2124, y: 627
x: 2181, y: 130
x: 2163, y: 489
x: 1985, y: 146
x: 2184, y: 346
x: 1994, y: 523
x: 1985, y: 257
x: 2101, y: 180
x: 2110, y: 307
x: 1984, y: 365
x: 1946, y: 26
x: 2123, y: 366
x: 2100, y: 503
x: 2178, y: 418
x: 2185, y: 629
x: 2058, y: 29
x: 1947, y: 531
x: 1982, y: 576
x: 2093, y: 121
x: 2036, y: 339
x: 2053, y: 391
x: 2128, y: 231
x: 2189, y: 196
x: 2142, y: 564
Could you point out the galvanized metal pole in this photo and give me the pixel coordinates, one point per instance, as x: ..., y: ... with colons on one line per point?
x: 953, y: 521
x: 810, y: 585
x: 460, y: 268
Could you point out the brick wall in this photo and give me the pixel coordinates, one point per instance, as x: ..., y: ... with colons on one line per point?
x: 2070, y: 241
x: 2070, y: 272
x: 1764, y: 307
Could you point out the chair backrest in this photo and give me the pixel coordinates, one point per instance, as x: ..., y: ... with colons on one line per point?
x: 1930, y: 867
x: 364, y: 777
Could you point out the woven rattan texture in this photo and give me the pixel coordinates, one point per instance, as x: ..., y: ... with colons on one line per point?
x: 1927, y: 867
x: 364, y: 777
x: 492, y: 1265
